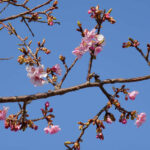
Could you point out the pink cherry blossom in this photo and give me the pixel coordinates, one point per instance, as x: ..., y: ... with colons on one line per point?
x: 77, y: 52
x: 36, y: 74
x: 133, y: 94
x: 140, y: 119
x: 100, y: 38
x: 89, y: 35
x: 54, y: 129
x: 57, y: 69
x: 97, y: 50
x: 3, y: 113
x: 90, y: 41
x: 108, y: 120
x: 47, y: 130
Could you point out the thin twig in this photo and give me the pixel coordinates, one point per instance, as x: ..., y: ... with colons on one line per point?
x: 25, y: 13
x: 67, y: 71
x: 28, y: 26
x: 6, y: 58
x: 4, y: 8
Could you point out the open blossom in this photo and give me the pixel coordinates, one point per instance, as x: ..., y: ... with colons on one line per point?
x: 133, y: 94
x: 36, y: 74
x: 3, y: 113
x: 108, y: 120
x: 54, y: 129
x: 57, y: 69
x: 77, y: 52
x: 140, y: 119
x: 90, y: 42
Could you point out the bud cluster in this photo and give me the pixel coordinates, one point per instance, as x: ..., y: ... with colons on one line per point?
x: 131, y: 43
x: 101, y: 15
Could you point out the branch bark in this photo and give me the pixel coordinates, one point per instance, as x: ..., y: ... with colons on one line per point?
x: 70, y: 89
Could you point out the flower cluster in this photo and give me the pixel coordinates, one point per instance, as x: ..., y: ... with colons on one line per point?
x: 91, y: 42
x: 109, y: 18
x: 130, y: 43
x: 140, y: 119
x: 52, y: 129
x: 96, y: 13
x: 36, y: 74
x: 12, y: 125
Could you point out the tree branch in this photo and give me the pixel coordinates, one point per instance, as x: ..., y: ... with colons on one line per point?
x: 70, y: 89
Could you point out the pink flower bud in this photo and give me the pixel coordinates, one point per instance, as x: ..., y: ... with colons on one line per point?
x: 89, y: 11
x: 47, y: 104
x: 124, y: 121
x: 100, y: 136
x: 51, y: 110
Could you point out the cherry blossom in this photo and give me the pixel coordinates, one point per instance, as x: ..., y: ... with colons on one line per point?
x: 54, y: 129
x: 108, y: 120
x: 133, y: 94
x: 90, y: 42
x: 3, y: 113
x: 36, y: 74
x: 140, y: 119
x: 57, y: 69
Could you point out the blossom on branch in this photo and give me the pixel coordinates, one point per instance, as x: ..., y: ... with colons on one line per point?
x: 3, y: 113
x: 54, y: 129
x: 133, y: 94
x: 91, y: 42
x: 108, y: 120
x: 56, y: 69
x: 140, y: 119
x: 36, y: 74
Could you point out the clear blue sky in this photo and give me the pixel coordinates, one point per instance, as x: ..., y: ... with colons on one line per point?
x: 113, y: 62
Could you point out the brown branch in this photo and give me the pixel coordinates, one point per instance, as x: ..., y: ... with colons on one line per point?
x: 6, y: 58
x: 121, y: 80
x: 46, y: 94
x: 25, y: 13
x: 85, y: 128
x: 90, y: 66
x: 13, y: 31
x: 67, y: 90
x: 140, y: 50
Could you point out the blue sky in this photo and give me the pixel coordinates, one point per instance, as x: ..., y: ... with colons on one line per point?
x: 113, y: 62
